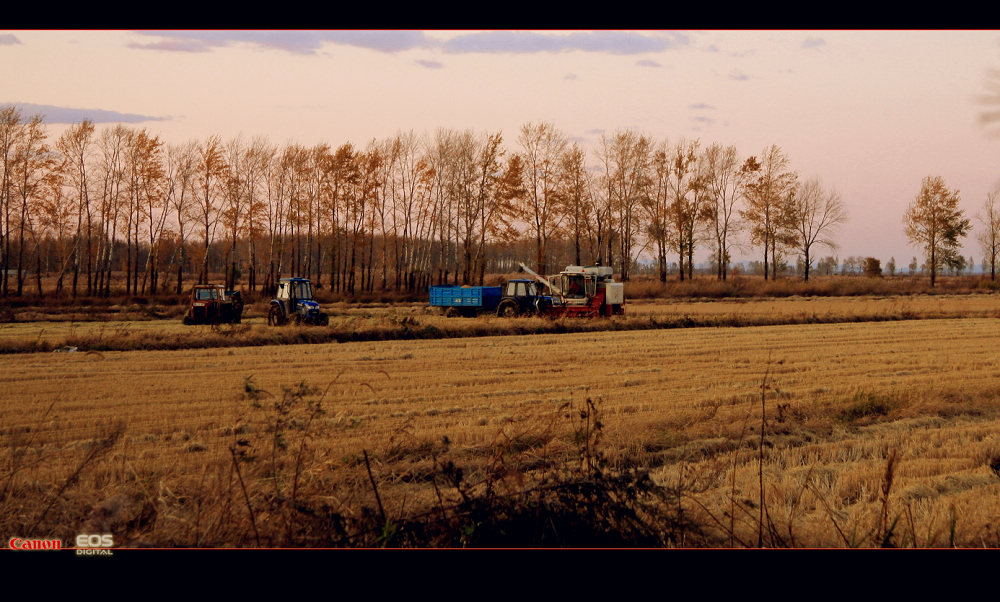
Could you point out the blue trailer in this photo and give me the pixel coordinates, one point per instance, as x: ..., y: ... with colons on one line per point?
x: 465, y: 300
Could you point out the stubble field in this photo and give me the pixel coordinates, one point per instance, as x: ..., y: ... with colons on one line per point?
x: 806, y: 434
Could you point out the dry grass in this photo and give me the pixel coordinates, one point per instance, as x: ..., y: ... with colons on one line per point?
x: 685, y: 405
x: 708, y: 287
x: 384, y: 321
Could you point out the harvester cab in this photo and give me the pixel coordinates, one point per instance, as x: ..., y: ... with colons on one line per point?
x: 294, y: 302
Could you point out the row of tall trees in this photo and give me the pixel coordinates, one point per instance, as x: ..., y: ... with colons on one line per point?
x: 398, y: 213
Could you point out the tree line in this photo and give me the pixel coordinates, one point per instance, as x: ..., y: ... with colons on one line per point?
x: 395, y: 214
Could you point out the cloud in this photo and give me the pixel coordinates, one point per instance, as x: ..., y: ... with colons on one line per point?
x: 297, y: 42
x: 813, y: 42
x: 647, y: 63
x: 384, y: 41
x: 173, y: 46
x: 703, y: 119
x: 570, y: 76
x: 738, y: 75
x: 430, y: 64
x: 391, y: 41
x: 54, y: 114
x: 525, y: 42
x: 8, y: 39
x: 701, y: 106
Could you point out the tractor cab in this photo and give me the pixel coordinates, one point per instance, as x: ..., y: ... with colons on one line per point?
x: 521, y: 288
x: 207, y: 293
x: 293, y: 290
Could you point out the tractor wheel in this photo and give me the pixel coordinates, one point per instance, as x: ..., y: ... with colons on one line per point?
x: 542, y: 307
x: 274, y: 317
x: 507, y: 310
x: 187, y: 321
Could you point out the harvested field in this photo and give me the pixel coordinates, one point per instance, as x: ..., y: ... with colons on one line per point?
x: 882, y: 433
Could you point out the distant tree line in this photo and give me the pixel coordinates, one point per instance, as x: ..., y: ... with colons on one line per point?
x: 395, y: 214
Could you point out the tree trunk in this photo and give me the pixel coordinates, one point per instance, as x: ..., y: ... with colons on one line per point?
x: 933, y: 266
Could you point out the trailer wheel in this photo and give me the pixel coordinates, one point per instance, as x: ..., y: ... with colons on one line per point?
x: 451, y: 312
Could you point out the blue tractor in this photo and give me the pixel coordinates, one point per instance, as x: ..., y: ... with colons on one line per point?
x: 294, y: 303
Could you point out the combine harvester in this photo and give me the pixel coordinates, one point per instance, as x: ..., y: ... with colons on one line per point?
x: 576, y: 292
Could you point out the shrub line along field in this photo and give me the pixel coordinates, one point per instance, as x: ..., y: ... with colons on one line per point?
x: 797, y: 435
x: 34, y: 332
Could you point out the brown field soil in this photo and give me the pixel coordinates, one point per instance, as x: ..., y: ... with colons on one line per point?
x: 879, y: 433
x: 47, y: 331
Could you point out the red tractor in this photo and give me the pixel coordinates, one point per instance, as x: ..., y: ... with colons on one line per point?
x: 213, y: 304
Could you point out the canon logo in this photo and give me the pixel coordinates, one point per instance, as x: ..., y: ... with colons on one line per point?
x: 17, y: 543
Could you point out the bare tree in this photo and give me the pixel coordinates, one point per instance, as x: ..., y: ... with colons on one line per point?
x: 576, y: 189
x: 211, y: 184
x: 11, y: 129
x: 936, y: 222
x: 769, y: 183
x: 543, y: 147
x: 32, y: 164
x: 75, y: 146
x: 687, y: 186
x: 499, y: 185
x: 411, y: 183
x: 989, y: 236
x: 628, y: 180
x: 182, y: 165
x: 234, y: 201
x: 53, y: 223
x: 657, y: 208
x: 814, y: 215
x: 147, y: 189
x: 725, y: 187
x: 112, y: 144
x: 254, y: 168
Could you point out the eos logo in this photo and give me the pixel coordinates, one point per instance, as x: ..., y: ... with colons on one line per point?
x: 94, y: 544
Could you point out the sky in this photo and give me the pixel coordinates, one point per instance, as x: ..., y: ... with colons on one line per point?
x: 870, y: 113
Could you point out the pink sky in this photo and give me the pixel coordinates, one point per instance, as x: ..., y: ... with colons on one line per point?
x: 870, y: 113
